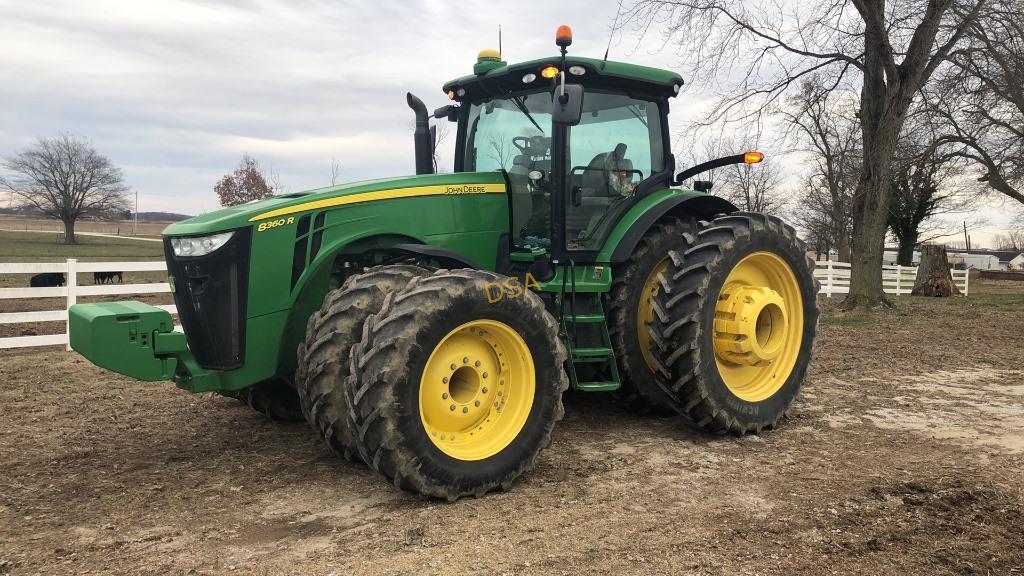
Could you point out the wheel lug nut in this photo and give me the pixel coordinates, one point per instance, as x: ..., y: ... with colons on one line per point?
x: 445, y: 379
x: 477, y: 403
x: 444, y: 395
x: 484, y: 390
x: 477, y: 364
x: 465, y: 409
x: 454, y: 366
x: 465, y: 360
x: 485, y: 374
x: 452, y: 408
x: 499, y: 392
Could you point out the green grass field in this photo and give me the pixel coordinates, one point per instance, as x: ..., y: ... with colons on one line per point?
x: 43, y: 247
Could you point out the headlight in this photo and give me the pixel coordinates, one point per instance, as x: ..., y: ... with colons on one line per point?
x: 199, y: 245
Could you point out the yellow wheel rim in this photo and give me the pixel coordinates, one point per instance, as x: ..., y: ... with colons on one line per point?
x: 645, y: 313
x: 477, y: 390
x: 758, y: 328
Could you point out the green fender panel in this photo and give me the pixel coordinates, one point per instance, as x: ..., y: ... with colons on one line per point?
x: 634, y: 224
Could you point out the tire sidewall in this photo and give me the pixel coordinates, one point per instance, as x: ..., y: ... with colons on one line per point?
x: 520, y: 314
x: 763, y: 412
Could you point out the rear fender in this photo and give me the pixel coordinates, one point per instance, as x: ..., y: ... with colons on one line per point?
x: 666, y: 202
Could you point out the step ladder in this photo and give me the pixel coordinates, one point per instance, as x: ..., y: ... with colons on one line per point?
x: 601, y: 357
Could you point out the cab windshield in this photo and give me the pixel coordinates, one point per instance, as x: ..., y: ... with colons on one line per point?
x: 617, y: 144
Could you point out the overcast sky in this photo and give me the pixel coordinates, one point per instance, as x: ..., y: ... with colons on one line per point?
x: 175, y: 91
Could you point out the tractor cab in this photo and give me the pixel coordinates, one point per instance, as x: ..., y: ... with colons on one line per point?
x: 580, y: 141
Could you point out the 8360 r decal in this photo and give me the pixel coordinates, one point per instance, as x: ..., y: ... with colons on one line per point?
x: 274, y: 224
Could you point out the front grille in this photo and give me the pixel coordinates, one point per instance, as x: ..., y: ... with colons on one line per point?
x: 211, y: 293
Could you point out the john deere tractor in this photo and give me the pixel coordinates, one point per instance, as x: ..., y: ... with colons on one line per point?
x: 428, y: 325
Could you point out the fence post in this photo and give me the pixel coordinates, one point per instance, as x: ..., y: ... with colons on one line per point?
x: 828, y: 285
x: 967, y: 281
x: 71, y: 285
x: 899, y: 273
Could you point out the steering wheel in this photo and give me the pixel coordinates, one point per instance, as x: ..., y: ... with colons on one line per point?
x: 521, y: 142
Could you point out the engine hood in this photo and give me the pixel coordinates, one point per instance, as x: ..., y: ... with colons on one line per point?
x: 365, y: 191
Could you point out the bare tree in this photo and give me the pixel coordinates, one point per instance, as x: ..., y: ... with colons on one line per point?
x: 441, y: 132
x: 1012, y: 240
x: 335, y: 170
x: 755, y: 187
x: 67, y: 179
x: 978, y: 99
x: 886, y: 50
x: 501, y: 150
x: 247, y: 183
x: 824, y: 127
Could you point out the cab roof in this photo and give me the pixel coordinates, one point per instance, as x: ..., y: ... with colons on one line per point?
x: 501, y: 78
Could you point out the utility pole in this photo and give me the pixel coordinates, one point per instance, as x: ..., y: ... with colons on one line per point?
x: 135, y: 225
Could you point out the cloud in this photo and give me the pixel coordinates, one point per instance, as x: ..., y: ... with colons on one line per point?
x: 176, y: 91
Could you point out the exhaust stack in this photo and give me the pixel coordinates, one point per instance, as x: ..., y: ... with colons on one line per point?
x: 421, y: 137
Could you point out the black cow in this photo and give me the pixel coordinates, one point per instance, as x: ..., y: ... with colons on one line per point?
x: 107, y: 277
x: 47, y: 280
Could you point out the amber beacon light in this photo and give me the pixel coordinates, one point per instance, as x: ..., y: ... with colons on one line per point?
x: 563, y: 36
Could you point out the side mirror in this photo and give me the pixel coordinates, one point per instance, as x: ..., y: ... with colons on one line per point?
x: 567, y: 108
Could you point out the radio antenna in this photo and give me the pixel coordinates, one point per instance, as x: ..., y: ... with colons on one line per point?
x: 499, y: 40
x: 611, y: 34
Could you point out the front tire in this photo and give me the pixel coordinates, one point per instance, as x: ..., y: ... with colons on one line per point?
x: 275, y: 399
x: 735, y: 323
x: 454, y: 393
x: 323, y: 357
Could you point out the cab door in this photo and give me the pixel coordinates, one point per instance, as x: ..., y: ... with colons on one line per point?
x: 615, y: 155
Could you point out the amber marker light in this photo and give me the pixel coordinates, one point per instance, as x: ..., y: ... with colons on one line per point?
x: 549, y: 72
x: 752, y: 157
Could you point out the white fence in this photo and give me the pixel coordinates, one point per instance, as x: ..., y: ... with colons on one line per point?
x: 70, y: 292
x: 896, y: 279
x: 834, y: 278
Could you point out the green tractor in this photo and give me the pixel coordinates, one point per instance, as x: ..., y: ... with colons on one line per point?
x: 429, y: 325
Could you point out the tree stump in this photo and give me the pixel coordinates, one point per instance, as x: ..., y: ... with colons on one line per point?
x: 933, y: 277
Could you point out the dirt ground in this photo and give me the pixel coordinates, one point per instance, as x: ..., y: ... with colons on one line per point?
x: 903, y: 455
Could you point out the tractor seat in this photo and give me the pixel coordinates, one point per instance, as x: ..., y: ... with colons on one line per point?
x: 594, y: 179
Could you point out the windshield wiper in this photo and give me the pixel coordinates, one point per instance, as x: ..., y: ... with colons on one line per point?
x: 634, y: 110
x: 522, y: 108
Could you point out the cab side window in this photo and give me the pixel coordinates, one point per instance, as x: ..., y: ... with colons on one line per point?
x: 617, y: 144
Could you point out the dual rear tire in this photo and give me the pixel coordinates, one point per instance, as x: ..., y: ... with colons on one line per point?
x: 432, y: 382
x: 734, y: 322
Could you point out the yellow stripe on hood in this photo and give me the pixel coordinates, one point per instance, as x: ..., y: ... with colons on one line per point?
x: 392, y: 194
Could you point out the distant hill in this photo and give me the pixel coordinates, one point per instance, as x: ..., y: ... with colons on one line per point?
x: 143, y: 216
x: 161, y: 217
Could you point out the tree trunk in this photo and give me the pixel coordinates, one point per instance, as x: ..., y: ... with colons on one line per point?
x: 69, y: 232
x: 933, y: 277
x: 870, y: 223
x: 905, y: 256
x: 844, y: 247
